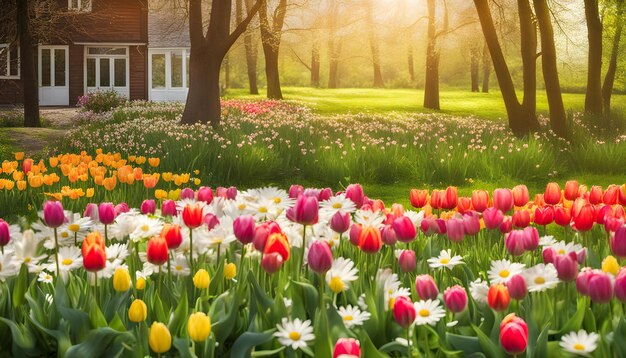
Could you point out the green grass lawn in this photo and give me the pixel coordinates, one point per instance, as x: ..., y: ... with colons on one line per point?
x: 453, y: 101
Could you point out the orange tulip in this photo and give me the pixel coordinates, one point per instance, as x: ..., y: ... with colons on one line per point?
x: 464, y: 204
x: 480, y: 200
x: 109, y: 183
x: 552, y: 195
x: 154, y: 162
x: 278, y: 242
x: 571, y: 190
x: 419, y: 198
x: 498, y: 297
x: 520, y: 195
x: 370, y: 240
x: 150, y: 181
x: 94, y: 253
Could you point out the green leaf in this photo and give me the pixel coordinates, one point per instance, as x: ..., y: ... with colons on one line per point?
x: 157, y: 308
x: 180, y: 316
x: 101, y: 342
x: 117, y: 324
x: 574, y: 323
x: 323, y: 345
x: 369, y: 349
x: 22, y: 337
x: 311, y: 297
x: 182, y: 346
x: 538, y: 346
x: 619, y: 345
x: 96, y: 317
x: 21, y: 286
x: 467, y: 344
x: 224, y: 327
x: 271, y: 353
x: 489, y: 347
x: 246, y: 342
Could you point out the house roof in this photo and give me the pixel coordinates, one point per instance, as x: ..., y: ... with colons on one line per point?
x: 167, y: 25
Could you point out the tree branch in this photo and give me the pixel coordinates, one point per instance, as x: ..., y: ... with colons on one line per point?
x: 241, y: 27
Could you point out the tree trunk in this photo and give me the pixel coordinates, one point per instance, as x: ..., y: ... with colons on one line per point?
x: 271, y: 36
x: 609, y: 78
x: 550, y: 73
x: 528, y: 47
x: 226, y: 72
x: 486, y: 68
x: 315, y: 63
x: 593, y: 95
x: 250, y: 48
x: 28, y: 67
x: 411, y: 63
x: 431, y: 83
x: 333, y: 47
x: 378, y: 76
x: 519, y: 120
x: 474, y: 69
x: 203, y: 99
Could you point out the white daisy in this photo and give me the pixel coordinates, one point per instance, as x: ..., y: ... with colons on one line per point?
x: 123, y: 226
x: 146, y: 227
x: 501, y: 271
x: 341, y: 273
x: 329, y: 207
x: 369, y: 218
x: 265, y: 209
x: 7, y: 265
x: 361, y: 302
x: 70, y: 258
x: 479, y: 290
x: 416, y: 217
x: 294, y: 333
x: 117, y: 252
x: 45, y: 277
x: 541, y: 277
x: 445, y: 259
x: 239, y: 207
x: 387, y: 283
x: 179, y: 266
x: 547, y: 240
x: 352, y: 316
x: 580, y: 342
x: 79, y: 226
x: 288, y: 302
x: 25, y: 250
x: 428, y: 312
x: 563, y: 248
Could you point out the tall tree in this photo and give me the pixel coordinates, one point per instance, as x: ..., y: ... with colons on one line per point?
x: 486, y: 69
x: 334, y: 45
x: 528, y: 48
x: 207, y: 53
x: 474, y: 68
x: 410, y: 61
x: 249, y: 47
x: 609, y: 78
x: 374, y: 46
x: 549, y: 68
x: 593, y: 94
x: 28, y: 66
x: 520, y: 120
x: 431, y: 82
x: 315, y: 61
x: 271, y: 33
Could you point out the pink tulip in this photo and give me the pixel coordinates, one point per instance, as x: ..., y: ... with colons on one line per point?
x: 187, y: 193
x: 340, y: 222
x: 503, y: 199
x: 53, y: 214
x: 347, y: 348
x: 205, y: 194
x: 168, y: 208
x: 455, y: 229
x: 531, y: 238
x: 507, y: 225
x: 91, y: 211
x: 514, y: 242
x: 618, y: 242
x: 120, y: 209
x: 566, y: 266
x: 407, y: 261
x: 404, y: 229
x: 582, y: 280
x: 388, y: 235
x: 471, y: 223
x: 426, y: 287
x: 355, y: 193
x: 517, y: 287
x: 493, y: 218
x: 320, y: 257
x: 148, y: 207
x: 404, y: 312
x: 620, y: 285
x: 211, y: 221
x: 455, y: 298
x: 244, y: 228
x: 325, y: 194
x: 305, y: 212
x: 272, y: 262
x: 5, y: 235
x: 355, y: 233
x: 600, y: 287
x: 295, y: 191
x: 549, y: 255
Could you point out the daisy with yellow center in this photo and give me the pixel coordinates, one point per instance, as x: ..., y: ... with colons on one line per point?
x: 445, y: 260
x: 580, y: 343
x: 353, y: 316
x: 296, y: 334
x: 501, y: 271
x: 428, y: 312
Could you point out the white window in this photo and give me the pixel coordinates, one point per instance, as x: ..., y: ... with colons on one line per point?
x: 168, y: 71
x: 106, y: 68
x: 9, y: 61
x: 79, y: 5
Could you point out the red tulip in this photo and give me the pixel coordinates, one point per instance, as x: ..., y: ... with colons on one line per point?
x: 571, y: 190
x: 622, y: 194
x: 611, y: 195
x: 520, y: 195
x: 278, y: 242
x: 94, y: 253
x: 193, y: 216
x: 244, y: 228
x: 584, y: 218
x: 498, y: 297
x: 436, y: 199
x: 450, y: 198
x: 455, y: 298
x: 503, y: 199
x: 171, y: 234
x: 562, y: 216
x: 552, y: 195
x: 419, y: 198
x: 156, y: 251
x: 320, y: 257
x: 595, y: 195
x: 464, y: 205
x: 544, y: 215
x: 513, y: 334
x: 426, y: 287
x: 404, y: 312
x: 521, y: 218
x: 507, y: 225
x: 370, y: 240
x: 347, y: 348
x: 480, y: 200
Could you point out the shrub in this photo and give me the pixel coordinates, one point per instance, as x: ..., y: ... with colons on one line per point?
x: 100, y: 102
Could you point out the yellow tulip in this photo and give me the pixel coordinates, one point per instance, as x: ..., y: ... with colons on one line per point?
x: 199, y: 326
x: 610, y: 265
x: 141, y: 283
x: 160, y: 194
x: 197, y: 181
x: 19, y: 155
x: 121, y: 280
x: 90, y: 192
x: 138, y: 311
x: 160, y: 338
x: 154, y: 162
x: 21, y: 185
x: 201, y: 279
x: 230, y: 271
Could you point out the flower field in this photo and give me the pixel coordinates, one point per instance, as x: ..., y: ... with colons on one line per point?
x: 304, y: 272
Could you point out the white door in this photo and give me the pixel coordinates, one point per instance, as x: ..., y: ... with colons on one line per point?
x: 54, y: 89
x: 107, y: 69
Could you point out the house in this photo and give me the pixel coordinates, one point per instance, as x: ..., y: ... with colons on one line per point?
x: 106, y: 48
